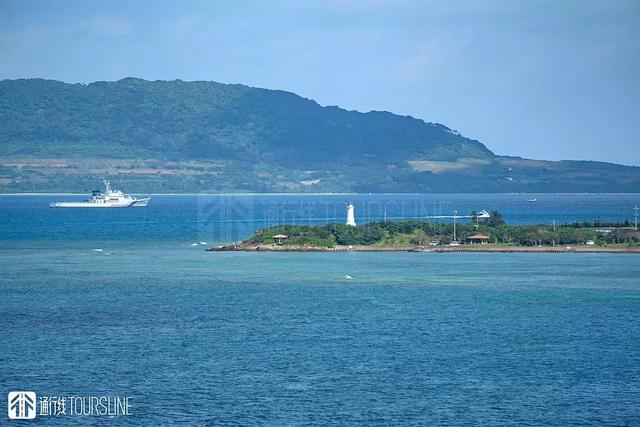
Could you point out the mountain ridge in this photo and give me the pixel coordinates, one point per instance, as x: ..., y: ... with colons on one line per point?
x: 210, y: 136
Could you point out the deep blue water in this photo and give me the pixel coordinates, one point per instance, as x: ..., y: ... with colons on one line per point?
x: 227, y: 218
x: 199, y: 338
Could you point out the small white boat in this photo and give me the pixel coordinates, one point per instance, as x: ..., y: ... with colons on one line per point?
x: 532, y: 200
x: 109, y: 199
x: 483, y: 214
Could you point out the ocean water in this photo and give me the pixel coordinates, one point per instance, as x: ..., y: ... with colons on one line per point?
x: 119, y: 303
x: 224, y: 218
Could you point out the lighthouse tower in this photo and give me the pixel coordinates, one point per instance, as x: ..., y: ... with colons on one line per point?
x: 351, y: 218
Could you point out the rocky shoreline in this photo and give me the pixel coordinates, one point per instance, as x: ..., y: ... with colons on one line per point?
x: 252, y: 247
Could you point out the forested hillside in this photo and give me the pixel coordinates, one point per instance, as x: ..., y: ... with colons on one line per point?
x: 205, y: 136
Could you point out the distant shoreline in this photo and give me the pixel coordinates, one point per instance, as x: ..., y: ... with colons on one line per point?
x: 245, y: 247
x: 328, y: 194
x: 218, y: 194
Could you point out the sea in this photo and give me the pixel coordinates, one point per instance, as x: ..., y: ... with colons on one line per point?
x: 127, y: 303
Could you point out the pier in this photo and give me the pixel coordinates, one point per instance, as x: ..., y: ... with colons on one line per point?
x: 243, y: 247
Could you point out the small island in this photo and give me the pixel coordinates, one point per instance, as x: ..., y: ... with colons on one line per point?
x: 491, y: 234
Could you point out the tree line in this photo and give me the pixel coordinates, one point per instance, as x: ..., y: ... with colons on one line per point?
x: 422, y: 233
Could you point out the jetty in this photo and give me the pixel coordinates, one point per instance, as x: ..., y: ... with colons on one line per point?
x: 251, y: 247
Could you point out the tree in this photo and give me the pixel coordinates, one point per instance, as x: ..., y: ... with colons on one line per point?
x: 495, y: 219
x: 474, y: 219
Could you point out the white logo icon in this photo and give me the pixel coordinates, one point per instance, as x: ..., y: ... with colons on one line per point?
x: 22, y: 405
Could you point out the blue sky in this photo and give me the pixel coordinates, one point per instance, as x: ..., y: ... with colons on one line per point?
x: 542, y: 79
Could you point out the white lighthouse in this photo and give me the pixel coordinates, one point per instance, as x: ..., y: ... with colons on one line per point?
x: 351, y: 217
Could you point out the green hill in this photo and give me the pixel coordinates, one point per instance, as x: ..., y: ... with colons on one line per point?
x: 207, y: 136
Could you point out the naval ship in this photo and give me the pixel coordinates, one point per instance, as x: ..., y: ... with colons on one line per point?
x: 108, y: 199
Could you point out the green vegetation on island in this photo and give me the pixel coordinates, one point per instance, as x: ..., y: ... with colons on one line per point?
x: 492, y: 230
x: 176, y: 136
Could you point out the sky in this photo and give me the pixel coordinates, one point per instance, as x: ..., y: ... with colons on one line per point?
x: 544, y: 79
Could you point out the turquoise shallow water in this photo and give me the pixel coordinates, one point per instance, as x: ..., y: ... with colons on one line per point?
x: 198, y: 338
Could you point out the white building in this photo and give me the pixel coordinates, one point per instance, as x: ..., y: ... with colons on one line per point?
x: 351, y: 217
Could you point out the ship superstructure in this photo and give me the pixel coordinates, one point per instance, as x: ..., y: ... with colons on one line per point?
x: 110, y: 198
